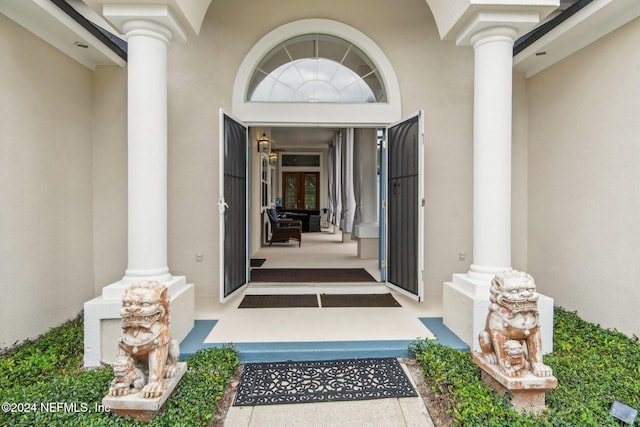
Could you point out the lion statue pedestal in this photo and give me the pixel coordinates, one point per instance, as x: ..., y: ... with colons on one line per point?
x: 146, y: 368
x: 511, y: 356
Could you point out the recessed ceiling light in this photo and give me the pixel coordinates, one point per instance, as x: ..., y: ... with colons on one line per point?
x: 81, y: 44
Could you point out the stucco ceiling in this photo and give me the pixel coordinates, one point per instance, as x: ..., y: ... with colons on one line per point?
x: 591, y: 22
x: 291, y: 138
x: 47, y: 21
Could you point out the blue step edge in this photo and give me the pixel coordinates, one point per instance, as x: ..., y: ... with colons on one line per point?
x: 315, y: 350
x: 444, y: 336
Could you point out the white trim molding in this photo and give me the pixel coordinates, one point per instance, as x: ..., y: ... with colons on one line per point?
x: 322, y: 114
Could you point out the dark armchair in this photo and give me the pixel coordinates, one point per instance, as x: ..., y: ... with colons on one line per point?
x: 284, y: 229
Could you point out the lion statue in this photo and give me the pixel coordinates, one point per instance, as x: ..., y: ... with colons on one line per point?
x: 146, y: 353
x: 511, y: 338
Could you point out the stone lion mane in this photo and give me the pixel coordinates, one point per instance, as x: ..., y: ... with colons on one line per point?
x: 511, y: 338
x: 146, y: 353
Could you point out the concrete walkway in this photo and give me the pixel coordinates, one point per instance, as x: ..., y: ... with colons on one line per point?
x: 394, y: 412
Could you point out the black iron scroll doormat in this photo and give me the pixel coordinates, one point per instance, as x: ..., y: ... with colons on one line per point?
x: 276, y: 383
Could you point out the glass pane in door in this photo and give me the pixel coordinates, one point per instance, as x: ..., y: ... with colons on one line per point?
x: 310, y: 191
x: 290, y: 191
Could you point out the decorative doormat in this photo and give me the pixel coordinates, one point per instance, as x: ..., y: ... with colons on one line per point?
x: 279, y: 301
x: 288, y: 275
x: 358, y: 300
x: 257, y: 262
x: 276, y: 383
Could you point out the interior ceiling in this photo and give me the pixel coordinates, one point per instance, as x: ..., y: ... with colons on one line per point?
x: 287, y: 138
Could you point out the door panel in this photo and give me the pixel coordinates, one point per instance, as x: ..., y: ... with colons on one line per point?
x: 301, y: 190
x: 405, y: 206
x: 311, y: 190
x: 291, y: 190
x: 233, y: 206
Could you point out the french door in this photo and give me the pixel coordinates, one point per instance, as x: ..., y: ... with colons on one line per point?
x: 233, y: 206
x: 404, y: 194
x: 301, y: 190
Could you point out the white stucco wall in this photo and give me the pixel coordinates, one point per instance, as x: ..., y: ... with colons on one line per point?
x: 109, y: 134
x: 46, y: 227
x: 584, y: 198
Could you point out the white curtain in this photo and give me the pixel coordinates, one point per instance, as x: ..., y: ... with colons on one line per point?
x: 332, y: 182
x: 337, y: 181
x: 357, y: 179
x: 348, y: 199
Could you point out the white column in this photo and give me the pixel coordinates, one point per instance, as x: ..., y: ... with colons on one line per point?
x: 147, y: 142
x: 465, y: 300
x: 493, y: 56
x: 149, y: 28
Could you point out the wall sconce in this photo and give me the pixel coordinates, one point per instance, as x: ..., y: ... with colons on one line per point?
x: 273, y: 158
x: 263, y: 144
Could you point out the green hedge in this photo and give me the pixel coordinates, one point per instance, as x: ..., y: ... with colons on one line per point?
x: 48, y: 371
x: 594, y: 367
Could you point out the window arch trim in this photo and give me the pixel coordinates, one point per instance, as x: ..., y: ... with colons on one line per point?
x: 329, y: 114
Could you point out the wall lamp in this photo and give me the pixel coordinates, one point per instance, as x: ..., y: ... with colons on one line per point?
x: 263, y: 143
x: 273, y: 158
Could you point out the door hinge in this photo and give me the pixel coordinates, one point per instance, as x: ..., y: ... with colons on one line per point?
x: 423, y: 202
x: 383, y: 264
x: 384, y: 204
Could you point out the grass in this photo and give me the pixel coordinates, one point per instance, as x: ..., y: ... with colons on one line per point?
x: 44, y: 384
x: 594, y: 367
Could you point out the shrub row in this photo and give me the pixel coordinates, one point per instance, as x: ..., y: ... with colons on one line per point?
x: 48, y: 371
x: 594, y: 367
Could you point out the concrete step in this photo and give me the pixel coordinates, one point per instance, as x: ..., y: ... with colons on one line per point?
x: 258, y: 288
x: 315, y: 350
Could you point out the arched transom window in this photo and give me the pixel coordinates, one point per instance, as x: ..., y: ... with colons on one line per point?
x: 316, y: 68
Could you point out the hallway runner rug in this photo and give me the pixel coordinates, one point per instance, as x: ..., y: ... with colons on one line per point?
x: 274, y: 383
x: 279, y: 301
x: 324, y: 275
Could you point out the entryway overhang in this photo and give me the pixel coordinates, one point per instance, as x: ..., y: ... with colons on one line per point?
x: 452, y: 16
x: 188, y: 13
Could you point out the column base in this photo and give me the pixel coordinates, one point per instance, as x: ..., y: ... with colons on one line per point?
x: 368, y: 248
x: 102, y: 319
x: 465, y: 304
x: 368, y: 243
x: 115, y: 290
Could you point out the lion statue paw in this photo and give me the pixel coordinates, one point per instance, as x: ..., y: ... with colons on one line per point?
x: 542, y: 370
x: 154, y: 390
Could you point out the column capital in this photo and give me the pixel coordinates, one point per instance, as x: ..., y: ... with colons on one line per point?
x: 155, y: 19
x: 493, y: 23
x: 493, y: 34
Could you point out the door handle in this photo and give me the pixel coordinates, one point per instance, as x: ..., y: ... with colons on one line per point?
x: 222, y: 206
